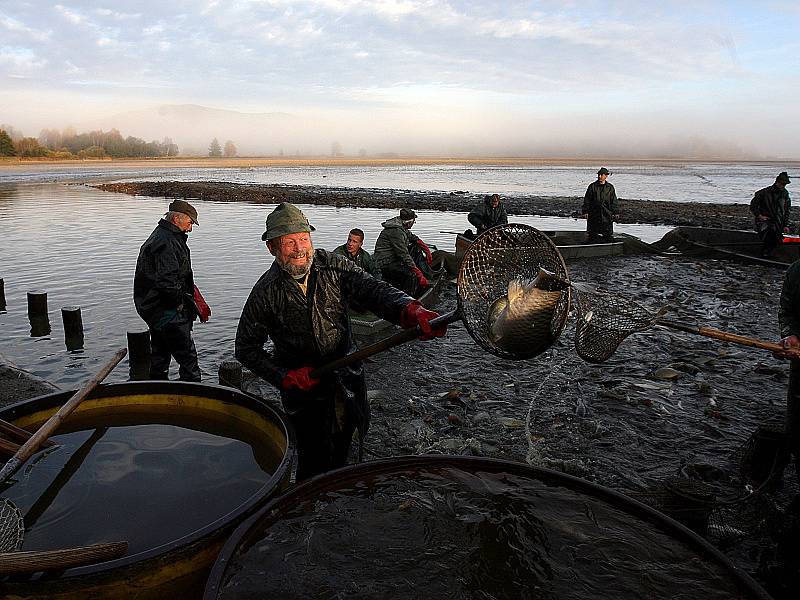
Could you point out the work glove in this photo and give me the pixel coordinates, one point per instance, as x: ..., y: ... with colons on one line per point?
x: 423, y: 281
x: 427, y: 251
x: 414, y: 315
x: 203, y: 309
x: 300, y: 379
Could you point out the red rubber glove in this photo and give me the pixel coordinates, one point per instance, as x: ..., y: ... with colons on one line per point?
x: 300, y: 379
x: 423, y: 281
x: 414, y: 315
x: 204, y: 310
x: 427, y: 251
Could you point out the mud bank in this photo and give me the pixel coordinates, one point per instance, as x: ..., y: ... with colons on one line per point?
x: 732, y: 216
x: 17, y: 384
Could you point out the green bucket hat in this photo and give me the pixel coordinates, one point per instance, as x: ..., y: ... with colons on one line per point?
x: 285, y: 219
x: 182, y: 206
x: 603, y: 171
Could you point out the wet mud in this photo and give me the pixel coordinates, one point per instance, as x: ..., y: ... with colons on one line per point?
x: 732, y: 216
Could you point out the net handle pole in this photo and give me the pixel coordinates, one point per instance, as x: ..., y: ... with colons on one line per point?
x: 398, y: 338
x: 728, y: 337
x: 35, y: 441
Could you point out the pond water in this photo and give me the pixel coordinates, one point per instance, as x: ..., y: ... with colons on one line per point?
x: 725, y: 183
x: 80, y: 244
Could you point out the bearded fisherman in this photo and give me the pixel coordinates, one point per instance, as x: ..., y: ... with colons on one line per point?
x: 300, y: 304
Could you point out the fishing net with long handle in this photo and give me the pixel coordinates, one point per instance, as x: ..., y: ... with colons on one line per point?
x: 498, y: 256
x: 605, y: 320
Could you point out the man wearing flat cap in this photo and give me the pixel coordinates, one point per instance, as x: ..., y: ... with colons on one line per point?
x: 165, y: 294
x: 300, y: 304
x: 770, y: 207
x: 600, y: 209
x: 404, y: 259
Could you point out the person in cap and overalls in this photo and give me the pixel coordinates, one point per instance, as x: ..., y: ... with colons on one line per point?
x: 300, y: 304
x: 165, y: 295
x: 404, y: 259
x: 771, y: 206
x: 600, y: 209
x: 489, y: 213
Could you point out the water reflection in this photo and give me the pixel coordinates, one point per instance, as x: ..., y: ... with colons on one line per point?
x: 81, y: 244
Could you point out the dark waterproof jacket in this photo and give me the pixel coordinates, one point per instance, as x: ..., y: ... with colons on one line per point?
x: 392, y: 246
x: 362, y: 259
x: 163, y: 276
x: 773, y: 202
x: 600, y: 207
x: 484, y: 216
x: 313, y: 329
x: 789, y: 310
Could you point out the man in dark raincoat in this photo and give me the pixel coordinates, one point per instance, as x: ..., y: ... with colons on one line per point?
x: 488, y: 214
x: 770, y: 206
x: 300, y: 304
x: 165, y: 295
x: 600, y: 208
x: 353, y: 250
x: 789, y: 322
x: 404, y: 259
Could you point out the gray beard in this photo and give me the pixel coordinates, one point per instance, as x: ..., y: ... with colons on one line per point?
x: 296, y: 271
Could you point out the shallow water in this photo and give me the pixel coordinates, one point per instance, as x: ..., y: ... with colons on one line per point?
x: 727, y: 183
x: 80, y: 245
x: 457, y: 534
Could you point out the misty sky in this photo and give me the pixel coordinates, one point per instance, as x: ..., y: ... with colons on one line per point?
x: 415, y: 75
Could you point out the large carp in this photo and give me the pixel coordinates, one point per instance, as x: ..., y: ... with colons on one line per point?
x: 524, y: 322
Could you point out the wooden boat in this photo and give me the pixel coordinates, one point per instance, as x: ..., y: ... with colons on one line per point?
x: 176, y: 568
x: 730, y: 244
x: 369, y: 328
x: 571, y: 244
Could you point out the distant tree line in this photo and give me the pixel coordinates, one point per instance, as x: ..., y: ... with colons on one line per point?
x: 68, y: 143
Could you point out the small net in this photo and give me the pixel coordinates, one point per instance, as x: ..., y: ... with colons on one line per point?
x: 12, y: 526
x: 603, y: 321
x: 497, y: 257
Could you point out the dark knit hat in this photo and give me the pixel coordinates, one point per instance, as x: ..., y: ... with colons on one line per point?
x: 406, y: 214
x: 783, y: 177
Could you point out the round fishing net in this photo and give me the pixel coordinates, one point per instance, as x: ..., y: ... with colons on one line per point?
x: 603, y: 321
x: 514, y: 254
x: 12, y: 526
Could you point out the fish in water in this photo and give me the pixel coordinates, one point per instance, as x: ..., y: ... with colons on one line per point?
x: 524, y: 321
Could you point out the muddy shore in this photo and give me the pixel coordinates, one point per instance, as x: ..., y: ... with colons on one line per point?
x: 731, y: 216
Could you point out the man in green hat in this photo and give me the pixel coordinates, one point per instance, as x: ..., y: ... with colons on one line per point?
x: 600, y: 209
x: 165, y: 294
x: 300, y: 304
x: 771, y: 206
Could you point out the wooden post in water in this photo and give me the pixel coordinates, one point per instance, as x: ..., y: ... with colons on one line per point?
x: 37, y: 313
x: 230, y: 374
x: 37, y: 303
x: 2, y: 294
x: 139, y: 355
x: 73, y: 327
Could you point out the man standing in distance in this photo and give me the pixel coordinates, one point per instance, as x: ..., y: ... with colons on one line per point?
x: 165, y: 295
x: 600, y: 209
x: 300, y: 304
x: 770, y: 206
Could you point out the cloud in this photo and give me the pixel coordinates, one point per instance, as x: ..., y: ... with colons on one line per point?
x: 14, y: 26
x: 20, y: 60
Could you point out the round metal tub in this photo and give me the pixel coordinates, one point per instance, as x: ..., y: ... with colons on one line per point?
x: 179, y: 567
x: 465, y: 527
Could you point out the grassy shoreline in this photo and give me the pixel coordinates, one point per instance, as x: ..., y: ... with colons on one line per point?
x: 244, y: 162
